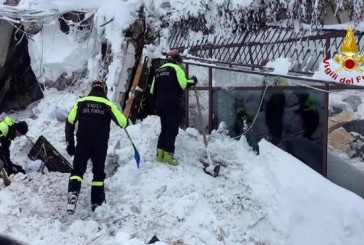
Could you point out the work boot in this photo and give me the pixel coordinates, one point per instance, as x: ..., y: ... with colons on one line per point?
x: 72, y: 202
x: 169, y: 159
x: 97, y: 196
x: 160, y: 154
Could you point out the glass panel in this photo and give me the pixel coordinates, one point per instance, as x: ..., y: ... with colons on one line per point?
x: 295, y: 82
x: 304, y: 114
x: 291, y: 119
x: 193, y: 114
x: 226, y: 78
x: 202, y: 74
x: 237, y: 109
x: 345, y: 140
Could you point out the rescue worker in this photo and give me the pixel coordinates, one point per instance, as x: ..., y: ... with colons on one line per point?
x: 274, y: 107
x: 308, y: 113
x: 94, y: 113
x: 9, y: 130
x: 242, y: 118
x: 274, y: 111
x: 168, y: 85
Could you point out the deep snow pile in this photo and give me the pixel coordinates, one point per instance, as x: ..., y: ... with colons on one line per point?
x: 174, y: 203
x: 271, y: 198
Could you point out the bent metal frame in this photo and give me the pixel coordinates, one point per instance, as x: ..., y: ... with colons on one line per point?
x: 246, y: 51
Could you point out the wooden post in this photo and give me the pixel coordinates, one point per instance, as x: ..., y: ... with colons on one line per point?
x: 133, y: 88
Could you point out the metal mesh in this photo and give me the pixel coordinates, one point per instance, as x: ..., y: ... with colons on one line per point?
x: 306, y: 48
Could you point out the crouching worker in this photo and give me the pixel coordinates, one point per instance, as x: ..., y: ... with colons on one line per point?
x: 9, y: 130
x: 94, y: 113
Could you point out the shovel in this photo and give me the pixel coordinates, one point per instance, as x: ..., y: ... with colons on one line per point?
x: 208, y: 164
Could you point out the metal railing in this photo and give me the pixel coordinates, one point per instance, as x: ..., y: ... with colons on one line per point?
x: 306, y: 48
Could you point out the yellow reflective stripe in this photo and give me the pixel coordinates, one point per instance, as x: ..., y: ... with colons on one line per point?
x: 181, y: 75
x: 121, y: 119
x: 282, y: 81
x: 73, y: 114
x: 75, y: 177
x: 97, y: 183
x: 310, y: 103
x: 8, y: 120
x: 4, y: 128
x: 96, y: 99
x: 152, y: 87
x: 119, y: 116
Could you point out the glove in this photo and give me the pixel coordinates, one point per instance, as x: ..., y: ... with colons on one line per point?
x: 71, y: 149
x: 194, y: 79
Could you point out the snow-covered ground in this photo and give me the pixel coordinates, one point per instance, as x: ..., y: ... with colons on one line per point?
x: 271, y: 198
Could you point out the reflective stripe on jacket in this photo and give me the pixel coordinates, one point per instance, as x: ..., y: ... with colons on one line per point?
x: 94, y: 115
x: 180, y: 75
x: 310, y: 104
x: 4, y: 126
x: 168, y: 84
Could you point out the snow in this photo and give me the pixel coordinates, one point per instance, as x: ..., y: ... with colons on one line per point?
x: 280, y: 66
x: 271, y: 198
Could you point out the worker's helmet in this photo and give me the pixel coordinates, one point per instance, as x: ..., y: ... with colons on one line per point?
x: 99, y: 84
x: 174, y: 55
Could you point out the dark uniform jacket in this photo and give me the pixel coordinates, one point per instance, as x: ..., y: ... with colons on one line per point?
x: 168, y: 84
x: 94, y: 114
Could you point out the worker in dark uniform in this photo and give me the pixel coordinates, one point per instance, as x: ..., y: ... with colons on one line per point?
x: 242, y: 119
x: 94, y: 114
x: 308, y: 113
x: 274, y: 111
x: 9, y: 129
x: 168, y: 85
x: 274, y: 107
